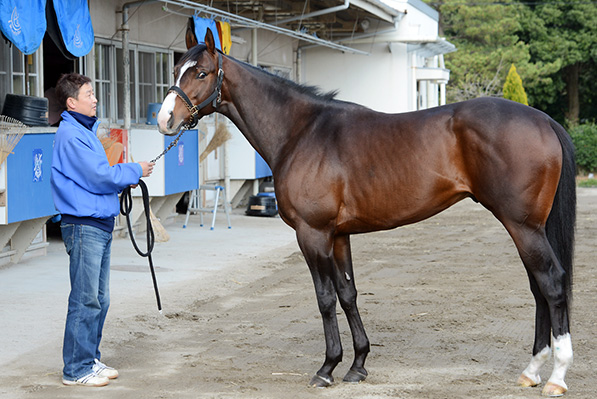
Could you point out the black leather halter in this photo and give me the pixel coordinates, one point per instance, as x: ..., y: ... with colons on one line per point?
x: 215, y: 98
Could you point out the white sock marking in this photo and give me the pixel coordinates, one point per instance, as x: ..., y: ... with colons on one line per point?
x: 537, y: 361
x: 562, y: 354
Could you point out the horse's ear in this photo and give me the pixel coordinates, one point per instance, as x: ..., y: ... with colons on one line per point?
x: 209, y: 41
x: 190, y: 37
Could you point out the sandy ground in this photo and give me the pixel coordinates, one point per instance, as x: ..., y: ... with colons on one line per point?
x: 445, y: 303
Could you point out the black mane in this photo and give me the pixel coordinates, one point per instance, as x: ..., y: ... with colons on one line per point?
x: 312, y: 91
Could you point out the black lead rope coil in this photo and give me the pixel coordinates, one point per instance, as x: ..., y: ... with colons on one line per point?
x: 126, y: 206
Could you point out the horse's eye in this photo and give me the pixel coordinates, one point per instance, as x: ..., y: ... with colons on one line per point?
x: 201, y: 75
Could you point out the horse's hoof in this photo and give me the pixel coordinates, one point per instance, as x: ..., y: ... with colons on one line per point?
x: 553, y: 390
x: 320, y: 382
x: 354, y: 376
x: 525, y: 381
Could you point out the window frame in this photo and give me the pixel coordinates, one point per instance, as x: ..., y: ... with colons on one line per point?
x: 107, y: 79
x: 137, y: 51
x: 10, y: 77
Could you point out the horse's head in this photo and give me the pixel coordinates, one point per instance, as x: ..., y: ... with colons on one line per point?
x: 197, y: 91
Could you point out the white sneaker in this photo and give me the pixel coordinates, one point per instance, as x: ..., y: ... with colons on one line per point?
x: 89, y: 380
x: 104, y: 371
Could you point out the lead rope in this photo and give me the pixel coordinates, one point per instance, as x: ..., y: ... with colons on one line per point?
x: 126, y: 206
x: 172, y: 144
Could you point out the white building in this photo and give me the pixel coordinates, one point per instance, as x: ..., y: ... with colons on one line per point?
x: 403, y: 69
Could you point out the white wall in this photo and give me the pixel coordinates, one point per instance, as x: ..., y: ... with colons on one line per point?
x: 380, y: 81
x: 420, y: 19
x: 148, y: 24
x: 272, y: 48
x: 385, y: 79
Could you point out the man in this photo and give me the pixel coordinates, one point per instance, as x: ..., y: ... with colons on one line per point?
x: 85, y: 190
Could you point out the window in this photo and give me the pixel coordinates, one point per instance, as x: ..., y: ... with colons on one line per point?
x: 4, y: 71
x: 19, y: 73
x: 103, y: 79
x: 162, y: 76
x: 147, y: 80
x: 153, y: 78
x: 149, y: 71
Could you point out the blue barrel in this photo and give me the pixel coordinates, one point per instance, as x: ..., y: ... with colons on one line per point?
x: 152, y: 113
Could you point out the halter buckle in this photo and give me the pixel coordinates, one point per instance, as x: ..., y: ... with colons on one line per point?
x: 218, y: 99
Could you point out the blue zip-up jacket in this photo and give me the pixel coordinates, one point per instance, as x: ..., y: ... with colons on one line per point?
x: 83, y: 182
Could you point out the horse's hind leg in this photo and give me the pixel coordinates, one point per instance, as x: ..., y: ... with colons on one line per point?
x: 547, y: 278
x: 317, y: 249
x: 347, y: 293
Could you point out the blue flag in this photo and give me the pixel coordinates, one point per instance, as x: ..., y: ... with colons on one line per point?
x: 75, y: 26
x: 23, y: 22
x: 201, y: 25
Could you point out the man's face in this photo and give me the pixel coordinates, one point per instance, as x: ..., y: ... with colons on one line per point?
x: 85, y: 103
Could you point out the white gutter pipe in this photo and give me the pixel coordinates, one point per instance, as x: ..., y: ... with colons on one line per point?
x: 126, y: 60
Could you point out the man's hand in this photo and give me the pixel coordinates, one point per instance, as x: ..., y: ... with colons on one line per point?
x: 147, y: 168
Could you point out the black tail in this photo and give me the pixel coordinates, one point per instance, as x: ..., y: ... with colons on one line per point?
x: 562, y: 218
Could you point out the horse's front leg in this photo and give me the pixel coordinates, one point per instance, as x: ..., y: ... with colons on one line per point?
x: 317, y: 249
x: 347, y: 293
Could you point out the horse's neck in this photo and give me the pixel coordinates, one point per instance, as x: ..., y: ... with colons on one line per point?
x: 263, y: 119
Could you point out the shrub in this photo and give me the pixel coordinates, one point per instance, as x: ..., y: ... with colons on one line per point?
x: 584, y: 138
x: 588, y: 183
x: 513, y: 89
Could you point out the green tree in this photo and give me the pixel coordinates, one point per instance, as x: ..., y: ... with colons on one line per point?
x: 487, y: 40
x: 513, y: 88
x: 552, y: 43
x: 564, y: 33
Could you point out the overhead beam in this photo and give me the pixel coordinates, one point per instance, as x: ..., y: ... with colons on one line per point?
x: 250, y: 23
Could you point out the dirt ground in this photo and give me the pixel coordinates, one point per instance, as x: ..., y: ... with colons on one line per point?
x: 445, y: 303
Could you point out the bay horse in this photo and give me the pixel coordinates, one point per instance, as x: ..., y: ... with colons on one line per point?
x: 340, y: 169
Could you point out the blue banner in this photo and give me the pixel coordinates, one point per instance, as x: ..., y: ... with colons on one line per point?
x: 75, y: 25
x: 201, y: 25
x: 23, y: 22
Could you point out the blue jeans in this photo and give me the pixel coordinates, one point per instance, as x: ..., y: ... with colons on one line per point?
x: 89, y: 250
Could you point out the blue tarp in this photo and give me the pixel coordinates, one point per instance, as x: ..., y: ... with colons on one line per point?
x: 23, y: 22
x: 75, y: 26
x: 201, y: 25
